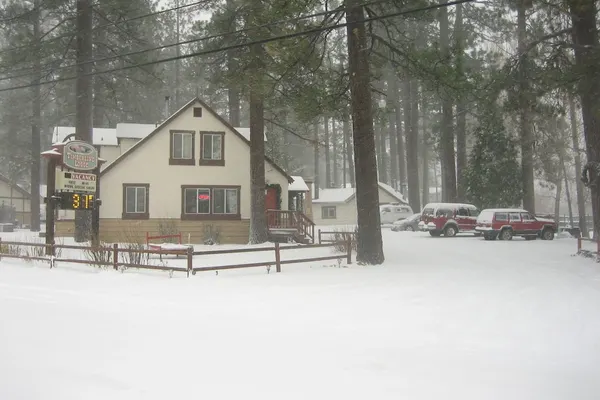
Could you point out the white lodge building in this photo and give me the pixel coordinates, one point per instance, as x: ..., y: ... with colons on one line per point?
x: 192, y: 172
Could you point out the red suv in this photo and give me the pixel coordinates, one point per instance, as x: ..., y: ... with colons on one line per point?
x: 449, y: 219
x: 504, y: 223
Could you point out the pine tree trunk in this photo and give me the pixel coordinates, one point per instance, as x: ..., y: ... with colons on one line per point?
x: 525, y: 129
x: 449, y: 192
x: 577, y: 159
x: 36, y: 122
x: 344, y: 151
x: 177, y: 54
x: 258, y: 218
x: 557, y: 198
x: 412, y: 143
x: 316, y: 178
x: 391, y: 88
x: 84, y: 100
x: 400, y: 138
x: 567, y: 192
x: 585, y: 38
x: 461, y: 111
x: 327, y: 154
x: 334, y: 142
x: 349, y: 152
x: 425, y: 152
x: 381, y: 159
x: 233, y: 93
x: 369, y: 240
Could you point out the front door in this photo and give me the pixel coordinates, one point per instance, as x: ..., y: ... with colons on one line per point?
x: 271, y: 204
x: 271, y: 199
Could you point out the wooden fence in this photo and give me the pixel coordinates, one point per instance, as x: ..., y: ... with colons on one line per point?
x: 109, y: 256
x: 580, y: 241
x: 345, y: 236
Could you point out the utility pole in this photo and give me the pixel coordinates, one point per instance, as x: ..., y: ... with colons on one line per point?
x: 36, y: 116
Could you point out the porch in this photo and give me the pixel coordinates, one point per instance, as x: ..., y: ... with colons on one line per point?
x: 290, y: 225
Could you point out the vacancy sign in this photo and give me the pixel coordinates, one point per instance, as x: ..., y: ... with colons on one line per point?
x: 76, y: 182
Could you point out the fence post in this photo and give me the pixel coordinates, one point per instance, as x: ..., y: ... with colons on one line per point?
x: 319, y: 236
x: 53, y: 248
x: 0, y: 248
x: 597, y: 246
x: 190, y: 255
x: 277, y: 258
x: 349, y: 244
x: 115, y: 256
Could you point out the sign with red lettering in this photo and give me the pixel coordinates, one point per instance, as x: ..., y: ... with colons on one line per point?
x: 80, y: 156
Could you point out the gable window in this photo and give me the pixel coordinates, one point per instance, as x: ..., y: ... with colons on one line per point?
x: 197, y: 112
x: 135, y: 200
x: 328, y: 212
x: 210, y: 202
x: 212, y: 148
x: 182, y: 148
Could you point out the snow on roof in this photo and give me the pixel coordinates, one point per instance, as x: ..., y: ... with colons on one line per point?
x: 338, y: 195
x: 126, y: 130
x: 100, y: 136
x: 299, y: 185
x: 393, y: 192
x: 490, y: 210
x: 448, y: 205
x: 245, y: 132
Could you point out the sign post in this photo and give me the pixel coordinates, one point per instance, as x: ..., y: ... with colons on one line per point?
x: 74, y: 187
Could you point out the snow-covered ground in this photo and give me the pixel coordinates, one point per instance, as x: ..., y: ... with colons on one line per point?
x: 459, y: 318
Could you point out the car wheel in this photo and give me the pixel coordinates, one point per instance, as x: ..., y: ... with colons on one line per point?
x: 506, y: 234
x: 547, y: 234
x: 410, y: 228
x: 450, y: 231
x: 435, y: 233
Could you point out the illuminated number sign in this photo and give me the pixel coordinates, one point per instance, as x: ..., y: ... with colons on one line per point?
x: 76, y: 201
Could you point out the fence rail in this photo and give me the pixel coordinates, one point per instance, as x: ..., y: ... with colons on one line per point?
x: 110, y: 256
x: 350, y: 235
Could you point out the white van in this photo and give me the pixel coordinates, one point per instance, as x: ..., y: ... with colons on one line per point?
x: 391, y: 213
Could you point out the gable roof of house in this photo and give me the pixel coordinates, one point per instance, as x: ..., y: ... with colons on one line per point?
x: 13, y: 185
x: 172, y: 118
x: 100, y: 136
x: 344, y: 195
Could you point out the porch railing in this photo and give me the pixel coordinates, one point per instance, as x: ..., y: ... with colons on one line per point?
x: 281, y: 219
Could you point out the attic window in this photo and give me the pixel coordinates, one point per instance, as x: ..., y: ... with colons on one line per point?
x: 197, y: 112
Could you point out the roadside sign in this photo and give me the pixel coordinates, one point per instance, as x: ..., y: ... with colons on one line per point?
x: 76, y: 182
x: 80, y: 156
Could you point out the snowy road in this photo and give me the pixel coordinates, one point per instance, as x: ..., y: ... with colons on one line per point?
x: 455, y: 318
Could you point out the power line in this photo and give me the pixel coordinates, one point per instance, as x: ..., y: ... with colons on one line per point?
x: 115, y: 23
x: 247, y: 44
x: 190, y: 41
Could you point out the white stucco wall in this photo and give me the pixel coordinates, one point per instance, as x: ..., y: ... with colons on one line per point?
x: 149, y: 164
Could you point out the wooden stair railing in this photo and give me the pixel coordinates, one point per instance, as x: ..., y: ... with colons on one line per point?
x: 283, y: 219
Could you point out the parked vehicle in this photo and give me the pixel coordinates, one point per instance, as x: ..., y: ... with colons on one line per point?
x: 409, y: 224
x: 448, y: 219
x: 505, y: 223
x: 391, y: 213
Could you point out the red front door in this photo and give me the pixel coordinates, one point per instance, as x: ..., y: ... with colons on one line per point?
x: 271, y: 199
x: 271, y: 204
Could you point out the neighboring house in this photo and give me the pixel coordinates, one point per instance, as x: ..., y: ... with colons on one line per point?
x: 14, y: 197
x: 192, y: 173
x: 338, y: 206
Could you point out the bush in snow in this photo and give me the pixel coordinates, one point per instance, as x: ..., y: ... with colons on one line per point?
x: 341, y: 237
x: 99, y: 256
